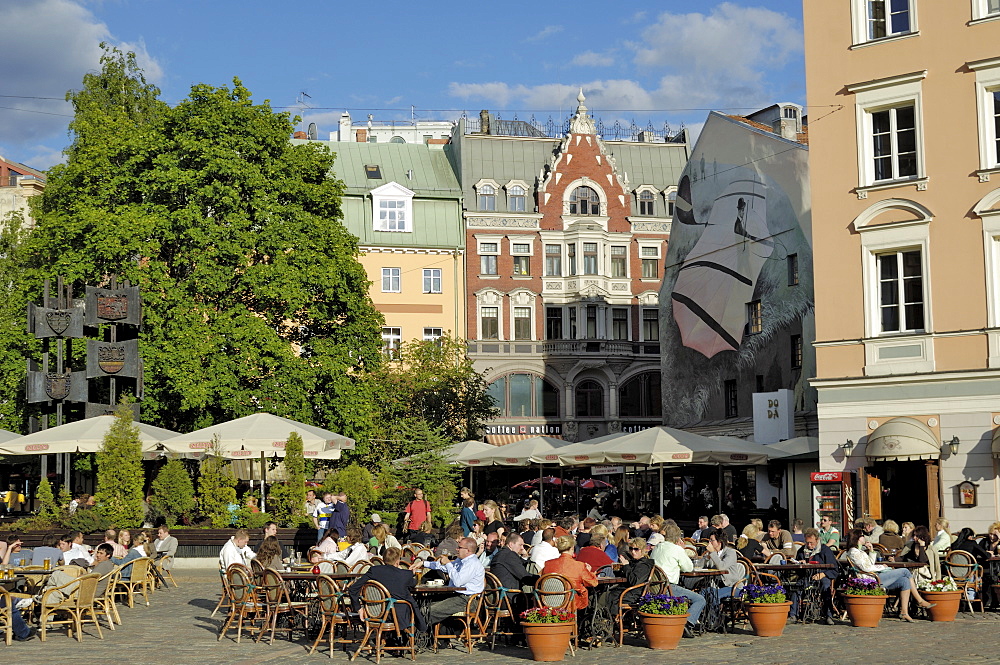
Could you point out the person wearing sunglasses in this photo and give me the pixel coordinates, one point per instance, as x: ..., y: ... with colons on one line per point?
x: 670, y: 557
x: 466, y: 572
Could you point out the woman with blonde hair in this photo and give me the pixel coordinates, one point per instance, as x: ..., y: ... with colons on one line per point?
x: 942, y: 539
x: 491, y: 517
x: 381, y: 540
x: 143, y: 544
x: 578, y: 573
x: 125, y: 539
x: 890, y: 538
x: 748, y: 544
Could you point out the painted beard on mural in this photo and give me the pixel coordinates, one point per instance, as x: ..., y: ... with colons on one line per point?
x: 734, y: 229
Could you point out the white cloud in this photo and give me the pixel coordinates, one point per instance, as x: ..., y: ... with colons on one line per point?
x: 721, y: 59
x: 594, y: 59
x: 547, y: 31
x: 48, y: 46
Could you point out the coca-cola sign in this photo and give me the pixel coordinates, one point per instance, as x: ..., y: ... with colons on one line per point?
x: 826, y: 476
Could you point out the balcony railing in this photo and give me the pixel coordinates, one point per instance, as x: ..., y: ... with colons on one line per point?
x: 617, y: 131
x: 568, y: 347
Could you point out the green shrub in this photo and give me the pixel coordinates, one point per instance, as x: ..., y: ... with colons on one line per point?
x: 247, y: 519
x: 216, y: 488
x: 173, y: 492
x: 48, y: 510
x: 87, y: 520
x: 295, y: 466
x: 359, y: 485
x: 119, y: 472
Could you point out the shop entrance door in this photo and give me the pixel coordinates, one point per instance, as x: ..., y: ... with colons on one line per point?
x: 902, y: 489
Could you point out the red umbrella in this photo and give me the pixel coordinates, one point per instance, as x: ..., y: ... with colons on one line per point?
x: 548, y: 480
x: 594, y: 483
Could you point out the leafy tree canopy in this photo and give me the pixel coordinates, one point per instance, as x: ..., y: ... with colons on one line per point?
x: 253, y: 295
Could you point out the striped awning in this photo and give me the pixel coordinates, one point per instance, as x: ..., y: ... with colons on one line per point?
x: 504, y: 439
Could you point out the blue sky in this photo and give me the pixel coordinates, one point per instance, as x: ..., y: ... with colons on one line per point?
x: 661, y: 61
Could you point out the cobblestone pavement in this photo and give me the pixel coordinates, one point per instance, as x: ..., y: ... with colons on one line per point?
x: 177, y: 628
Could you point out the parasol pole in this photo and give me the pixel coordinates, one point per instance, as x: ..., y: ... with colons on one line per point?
x: 661, y: 488
x: 541, y: 490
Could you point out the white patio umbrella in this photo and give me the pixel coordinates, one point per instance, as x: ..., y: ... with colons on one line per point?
x: 6, y: 436
x: 80, y: 436
x: 797, y: 449
x: 587, y: 452
x: 259, y: 434
x: 519, y: 453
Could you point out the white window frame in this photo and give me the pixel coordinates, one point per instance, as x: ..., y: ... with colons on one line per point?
x: 392, y: 191
x: 478, y: 187
x: 987, y: 82
x: 988, y: 210
x: 639, y: 191
x: 391, y: 341
x: 659, y: 255
x: 611, y: 260
x: 508, y: 188
x: 432, y: 336
x: 514, y: 318
x: 895, y: 352
x: 545, y: 253
x: 859, y: 24
x: 429, y: 274
x: 489, y: 298
x: 670, y: 201
x: 489, y: 239
x: 981, y: 11
x: 387, y: 273
x: 874, y: 96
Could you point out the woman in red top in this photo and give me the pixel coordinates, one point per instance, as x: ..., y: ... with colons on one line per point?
x: 578, y: 573
x: 593, y: 553
x: 418, y: 511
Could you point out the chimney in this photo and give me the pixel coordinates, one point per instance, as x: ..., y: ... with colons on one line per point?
x: 361, y: 136
x: 300, y: 135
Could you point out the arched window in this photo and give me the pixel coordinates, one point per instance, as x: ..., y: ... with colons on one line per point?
x: 639, y: 397
x: 671, y: 201
x: 584, y: 201
x: 589, y: 399
x: 516, y: 199
x: 646, y: 202
x: 397, y: 139
x: 487, y: 198
x: 525, y: 395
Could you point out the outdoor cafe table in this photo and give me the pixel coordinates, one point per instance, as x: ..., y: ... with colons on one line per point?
x: 425, y: 595
x: 596, y: 626
x: 706, y: 582
x: 902, y: 564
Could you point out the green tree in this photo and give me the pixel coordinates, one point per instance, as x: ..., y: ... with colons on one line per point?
x: 173, y: 492
x: 254, y: 297
x: 48, y: 508
x: 295, y: 467
x: 359, y: 484
x: 119, y: 472
x: 424, y: 467
x: 216, y: 487
x: 433, y: 381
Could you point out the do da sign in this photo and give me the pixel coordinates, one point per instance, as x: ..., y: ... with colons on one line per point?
x: 773, y: 416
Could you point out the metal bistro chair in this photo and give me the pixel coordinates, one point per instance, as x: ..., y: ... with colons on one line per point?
x: 246, y: 605
x: 278, y: 604
x: 496, y: 599
x: 553, y: 590
x: 77, y: 604
x: 380, y: 617
x: 968, y: 574
x: 334, y: 610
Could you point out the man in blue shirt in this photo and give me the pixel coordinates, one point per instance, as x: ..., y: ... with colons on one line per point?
x: 321, y: 516
x: 341, y: 513
x: 467, y: 572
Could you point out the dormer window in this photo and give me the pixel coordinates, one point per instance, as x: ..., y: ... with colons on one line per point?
x: 584, y: 201
x: 646, y: 202
x: 487, y: 198
x: 516, y: 199
x: 392, y: 208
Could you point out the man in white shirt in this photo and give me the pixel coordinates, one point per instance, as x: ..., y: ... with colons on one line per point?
x: 544, y: 550
x: 72, y: 547
x: 467, y: 572
x: 702, y: 528
x: 670, y: 557
x: 236, y: 551
x: 321, y: 515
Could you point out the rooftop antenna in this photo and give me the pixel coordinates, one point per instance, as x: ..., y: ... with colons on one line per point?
x: 300, y: 101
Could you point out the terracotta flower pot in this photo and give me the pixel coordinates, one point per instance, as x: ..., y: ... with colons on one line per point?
x: 663, y: 631
x: 768, y: 619
x: 548, y: 641
x: 947, y: 604
x: 864, y: 611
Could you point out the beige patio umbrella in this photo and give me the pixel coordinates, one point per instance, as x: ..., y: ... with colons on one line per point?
x: 6, y: 436
x: 587, y: 452
x: 80, y: 436
x: 666, y: 445
x: 519, y: 453
x: 454, y: 451
x: 259, y: 434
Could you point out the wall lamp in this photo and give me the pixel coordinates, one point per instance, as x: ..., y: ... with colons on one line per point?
x: 953, y: 445
x: 848, y: 445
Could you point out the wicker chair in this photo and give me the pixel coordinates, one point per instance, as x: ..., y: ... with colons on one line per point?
x: 245, y: 605
x: 334, y: 612
x: 163, y: 566
x: 104, y: 601
x: 624, y: 609
x: 496, y: 600
x: 7, y: 610
x: 75, y: 598
x: 968, y: 574
x: 361, y: 567
x: 341, y: 567
x: 226, y: 596
x: 471, y: 621
x: 380, y: 617
x: 556, y: 591
x: 277, y: 604
x: 138, y: 581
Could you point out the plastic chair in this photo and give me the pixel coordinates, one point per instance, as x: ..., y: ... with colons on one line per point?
x: 381, y: 617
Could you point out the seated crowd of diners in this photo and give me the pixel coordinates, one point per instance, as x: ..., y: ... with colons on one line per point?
x: 69, y: 557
